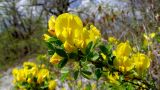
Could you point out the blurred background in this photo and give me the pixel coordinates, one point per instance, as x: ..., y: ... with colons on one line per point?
x: 23, y: 22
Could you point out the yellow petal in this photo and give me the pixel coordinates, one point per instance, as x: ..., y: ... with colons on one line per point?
x: 124, y: 63
x: 94, y: 33
x: 51, y: 23
x: 113, y: 78
x: 112, y: 40
x: 68, y: 47
x: 142, y: 62
x: 42, y: 74
x: 29, y: 80
x: 52, y: 32
x: 66, y: 25
x: 46, y: 37
x: 55, y: 59
x: 152, y: 35
x: 52, y: 85
x: 145, y: 36
x: 103, y: 56
x: 123, y: 49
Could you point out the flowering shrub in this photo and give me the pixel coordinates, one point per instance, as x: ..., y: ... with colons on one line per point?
x: 114, y: 64
x: 33, y: 77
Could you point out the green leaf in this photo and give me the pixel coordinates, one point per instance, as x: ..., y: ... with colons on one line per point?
x: 62, y: 63
x: 64, y: 76
x: 95, y: 56
x: 86, y: 72
x: 65, y: 70
x: 121, y: 78
x: 52, y: 39
x: 55, y: 41
x: 73, y: 55
x: 89, y: 47
x: 157, y: 38
x: 44, y: 87
x: 61, y: 52
x: 98, y: 73
x: 109, y: 47
x: 51, y: 52
x: 50, y: 46
x: 85, y: 76
x: 111, y: 59
x: 76, y: 74
x: 88, y: 87
x: 103, y: 49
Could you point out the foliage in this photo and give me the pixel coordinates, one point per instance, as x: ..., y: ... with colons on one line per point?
x: 114, y: 65
x: 14, y: 49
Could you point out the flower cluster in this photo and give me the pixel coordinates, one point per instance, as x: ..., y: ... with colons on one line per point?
x: 68, y: 28
x: 68, y: 41
x: 126, y: 60
x: 33, y: 77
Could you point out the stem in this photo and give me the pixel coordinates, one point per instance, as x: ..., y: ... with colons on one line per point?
x: 97, y: 84
x: 142, y: 81
x: 136, y: 84
x: 80, y: 72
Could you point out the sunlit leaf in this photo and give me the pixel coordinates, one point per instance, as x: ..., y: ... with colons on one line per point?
x: 89, y: 47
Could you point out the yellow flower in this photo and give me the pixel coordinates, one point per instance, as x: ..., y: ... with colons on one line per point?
x: 55, y: 59
x: 33, y: 71
x: 112, y: 40
x: 14, y: 72
x: 46, y: 37
x: 123, y: 63
x: 22, y: 88
x: 94, y: 33
x: 82, y: 38
x: 68, y: 47
x: 146, y: 43
x: 113, y: 78
x: 123, y: 49
x: 30, y: 68
x: 29, y: 80
x: 148, y: 39
x: 43, y: 66
x: 142, y: 62
x: 51, y: 25
x: 150, y: 36
x: 86, y: 35
x: 21, y: 75
x: 94, y: 86
x: 66, y: 25
x: 52, y: 85
x: 42, y: 74
x: 134, y: 49
x: 29, y: 65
